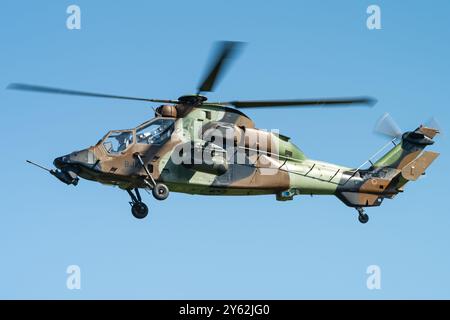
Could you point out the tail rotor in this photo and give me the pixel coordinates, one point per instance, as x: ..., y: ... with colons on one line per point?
x: 388, y: 127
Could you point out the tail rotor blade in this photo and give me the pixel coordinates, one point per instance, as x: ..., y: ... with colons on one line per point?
x: 387, y: 126
x: 433, y: 123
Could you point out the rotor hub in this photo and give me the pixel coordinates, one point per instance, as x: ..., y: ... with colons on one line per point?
x: 192, y: 99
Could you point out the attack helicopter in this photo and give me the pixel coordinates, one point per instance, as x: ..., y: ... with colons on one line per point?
x: 212, y: 148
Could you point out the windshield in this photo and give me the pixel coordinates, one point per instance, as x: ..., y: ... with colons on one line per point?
x: 118, y: 141
x: 155, y: 132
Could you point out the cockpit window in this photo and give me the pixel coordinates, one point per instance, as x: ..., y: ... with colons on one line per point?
x: 156, y: 132
x: 118, y: 141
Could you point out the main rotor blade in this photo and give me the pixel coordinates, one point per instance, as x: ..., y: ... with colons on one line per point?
x: 35, y: 88
x: 226, y: 50
x: 300, y: 103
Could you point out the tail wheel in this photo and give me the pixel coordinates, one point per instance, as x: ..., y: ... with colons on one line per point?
x: 160, y: 191
x: 363, y: 218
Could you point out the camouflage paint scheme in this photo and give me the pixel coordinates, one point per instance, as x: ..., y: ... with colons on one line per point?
x: 290, y: 172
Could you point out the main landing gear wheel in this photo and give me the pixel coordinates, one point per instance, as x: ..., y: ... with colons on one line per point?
x: 138, y: 208
x: 362, y: 216
x: 160, y: 191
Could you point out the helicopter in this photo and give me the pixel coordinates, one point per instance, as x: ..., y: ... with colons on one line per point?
x: 199, y: 147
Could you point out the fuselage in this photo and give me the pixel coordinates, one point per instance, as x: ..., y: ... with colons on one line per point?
x: 212, y: 150
x: 215, y: 150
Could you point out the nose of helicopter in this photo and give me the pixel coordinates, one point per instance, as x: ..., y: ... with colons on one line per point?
x: 60, y: 162
x: 83, y: 157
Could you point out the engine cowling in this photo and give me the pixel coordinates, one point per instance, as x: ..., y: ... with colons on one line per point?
x: 205, y: 157
x: 168, y: 111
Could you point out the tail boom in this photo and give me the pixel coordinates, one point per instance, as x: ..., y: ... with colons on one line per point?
x: 405, y: 162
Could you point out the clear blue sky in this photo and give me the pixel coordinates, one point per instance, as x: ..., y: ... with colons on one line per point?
x: 221, y: 247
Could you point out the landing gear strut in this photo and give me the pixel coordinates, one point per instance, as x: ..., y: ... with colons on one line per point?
x: 362, y: 216
x: 159, y: 190
x: 138, y: 208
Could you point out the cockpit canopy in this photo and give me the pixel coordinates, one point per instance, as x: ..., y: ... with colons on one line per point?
x: 118, y: 141
x: 153, y: 132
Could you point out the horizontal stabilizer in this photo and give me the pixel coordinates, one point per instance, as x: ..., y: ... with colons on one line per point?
x: 417, y: 167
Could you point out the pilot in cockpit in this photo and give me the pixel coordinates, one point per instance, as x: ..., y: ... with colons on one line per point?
x: 124, y: 140
x: 155, y: 133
